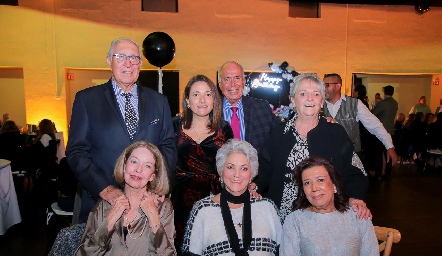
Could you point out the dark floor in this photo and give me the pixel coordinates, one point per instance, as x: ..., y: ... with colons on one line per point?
x: 410, y: 202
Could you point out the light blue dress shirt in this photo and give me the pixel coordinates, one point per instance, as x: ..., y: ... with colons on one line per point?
x: 228, y: 112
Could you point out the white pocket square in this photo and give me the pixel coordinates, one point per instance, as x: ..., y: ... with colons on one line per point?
x: 155, y: 121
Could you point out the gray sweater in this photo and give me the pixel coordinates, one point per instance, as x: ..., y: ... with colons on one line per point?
x: 341, y: 234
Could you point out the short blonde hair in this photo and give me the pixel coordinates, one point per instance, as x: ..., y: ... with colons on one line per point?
x: 160, y: 184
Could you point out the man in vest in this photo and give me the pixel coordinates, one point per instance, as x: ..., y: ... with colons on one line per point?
x: 348, y: 111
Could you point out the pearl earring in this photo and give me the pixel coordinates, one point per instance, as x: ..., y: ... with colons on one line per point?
x: 221, y: 181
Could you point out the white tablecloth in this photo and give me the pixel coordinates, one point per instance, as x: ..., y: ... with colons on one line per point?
x: 10, y: 213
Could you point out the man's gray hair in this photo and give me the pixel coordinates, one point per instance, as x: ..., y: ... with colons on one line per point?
x: 236, y: 146
x: 307, y: 76
x: 115, y: 41
x: 223, y: 65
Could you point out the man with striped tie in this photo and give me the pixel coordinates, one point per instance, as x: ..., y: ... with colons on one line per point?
x: 109, y: 117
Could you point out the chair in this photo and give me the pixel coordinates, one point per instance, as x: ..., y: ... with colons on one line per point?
x: 59, y: 211
x: 436, y: 155
x: 388, y: 236
x: 68, y: 240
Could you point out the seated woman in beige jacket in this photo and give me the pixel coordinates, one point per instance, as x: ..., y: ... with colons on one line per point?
x: 137, y: 223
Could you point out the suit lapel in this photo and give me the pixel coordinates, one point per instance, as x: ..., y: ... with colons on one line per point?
x: 143, y: 111
x: 247, y: 108
x: 111, y: 100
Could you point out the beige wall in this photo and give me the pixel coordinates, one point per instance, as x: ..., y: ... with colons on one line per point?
x: 436, y: 91
x: 46, y: 37
x: 12, y: 95
x: 407, y: 88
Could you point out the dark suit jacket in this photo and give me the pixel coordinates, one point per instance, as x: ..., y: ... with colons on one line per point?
x: 386, y: 111
x: 258, y: 121
x: 98, y: 135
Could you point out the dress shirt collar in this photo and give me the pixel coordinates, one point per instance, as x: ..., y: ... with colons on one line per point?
x: 333, y: 108
x: 118, y: 91
x: 227, y: 104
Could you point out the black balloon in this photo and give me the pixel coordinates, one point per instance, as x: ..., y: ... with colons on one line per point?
x: 159, y: 49
x: 422, y: 6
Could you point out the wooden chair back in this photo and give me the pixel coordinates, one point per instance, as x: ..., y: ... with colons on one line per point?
x: 387, y: 236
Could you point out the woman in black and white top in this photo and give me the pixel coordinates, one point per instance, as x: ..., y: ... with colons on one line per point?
x: 308, y: 134
x: 231, y: 223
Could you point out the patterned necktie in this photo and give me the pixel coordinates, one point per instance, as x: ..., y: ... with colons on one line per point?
x: 235, y: 124
x: 129, y: 116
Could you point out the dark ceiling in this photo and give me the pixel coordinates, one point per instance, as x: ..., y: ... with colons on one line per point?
x: 436, y: 3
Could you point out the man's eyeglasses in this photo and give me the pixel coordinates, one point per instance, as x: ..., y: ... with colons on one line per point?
x: 328, y: 84
x: 119, y: 57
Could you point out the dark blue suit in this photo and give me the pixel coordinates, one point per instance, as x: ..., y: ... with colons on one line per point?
x: 98, y: 135
x: 258, y: 121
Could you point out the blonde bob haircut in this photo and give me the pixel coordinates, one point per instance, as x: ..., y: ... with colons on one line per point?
x: 160, y: 184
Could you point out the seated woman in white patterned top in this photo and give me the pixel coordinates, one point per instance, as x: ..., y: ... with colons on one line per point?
x: 231, y: 223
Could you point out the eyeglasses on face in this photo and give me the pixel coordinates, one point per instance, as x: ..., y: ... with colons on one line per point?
x: 119, y: 57
x: 328, y: 84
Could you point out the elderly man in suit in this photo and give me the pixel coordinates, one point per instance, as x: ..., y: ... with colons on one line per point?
x: 109, y: 117
x: 251, y: 119
x: 385, y: 111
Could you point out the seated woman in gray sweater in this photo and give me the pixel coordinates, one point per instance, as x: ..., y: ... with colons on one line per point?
x: 323, y: 223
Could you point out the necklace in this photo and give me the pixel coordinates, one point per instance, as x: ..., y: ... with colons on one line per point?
x: 142, y: 231
x: 199, y: 140
x: 134, y: 216
x: 130, y: 222
x: 237, y: 216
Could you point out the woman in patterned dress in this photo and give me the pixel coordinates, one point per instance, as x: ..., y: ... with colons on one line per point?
x: 231, y: 222
x: 308, y: 134
x: 199, y: 133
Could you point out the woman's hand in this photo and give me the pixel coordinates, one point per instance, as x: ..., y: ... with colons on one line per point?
x: 149, y: 205
x: 118, y: 208
x: 252, y: 190
x: 359, y: 206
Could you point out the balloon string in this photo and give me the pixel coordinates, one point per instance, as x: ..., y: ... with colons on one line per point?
x: 160, y: 80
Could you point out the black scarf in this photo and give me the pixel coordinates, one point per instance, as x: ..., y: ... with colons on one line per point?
x: 228, y: 222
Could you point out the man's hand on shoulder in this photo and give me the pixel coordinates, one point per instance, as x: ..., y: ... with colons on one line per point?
x: 359, y: 206
x: 111, y: 194
x: 331, y: 120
